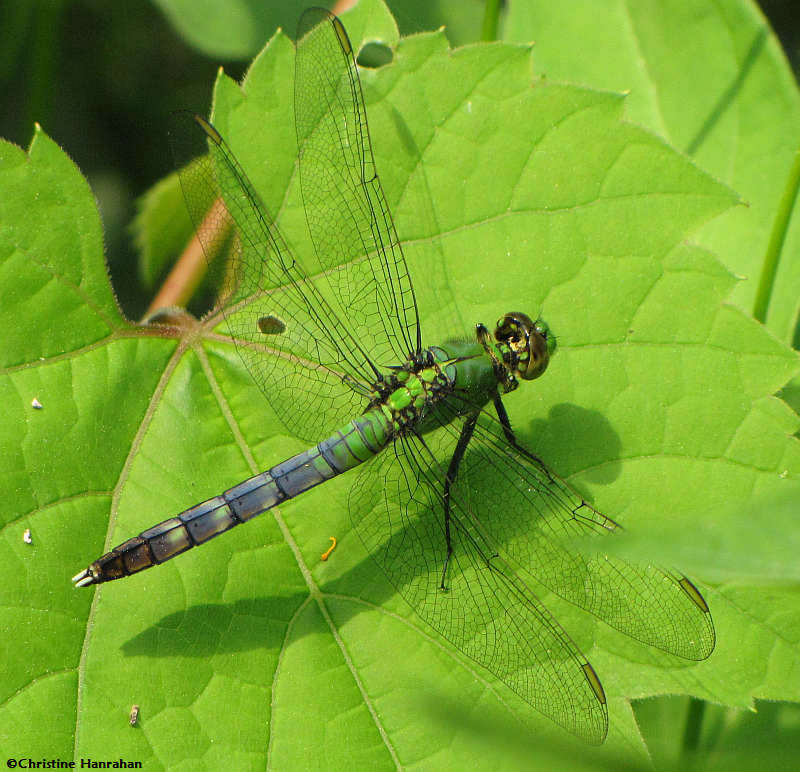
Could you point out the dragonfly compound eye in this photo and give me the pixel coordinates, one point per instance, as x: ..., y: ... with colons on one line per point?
x: 526, y: 344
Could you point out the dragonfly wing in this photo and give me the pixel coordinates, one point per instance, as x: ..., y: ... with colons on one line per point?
x: 396, y: 506
x: 288, y: 336
x: 536, y: 519
x: 348, y: 218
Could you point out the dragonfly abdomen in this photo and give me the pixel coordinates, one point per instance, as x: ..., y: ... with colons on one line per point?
x: 348, y: 447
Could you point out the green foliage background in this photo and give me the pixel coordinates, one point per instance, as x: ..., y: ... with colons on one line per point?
x: 509, y: 190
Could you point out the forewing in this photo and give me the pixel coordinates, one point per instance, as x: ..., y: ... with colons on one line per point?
x: 397, y: 508
x: 348, y: 218
x: 289, y: 338
x: 538, y: 521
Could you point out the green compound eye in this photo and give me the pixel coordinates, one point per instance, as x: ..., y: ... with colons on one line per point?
x: 526, y: 344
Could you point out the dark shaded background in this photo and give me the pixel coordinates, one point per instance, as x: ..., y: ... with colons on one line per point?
x: 101, y: 78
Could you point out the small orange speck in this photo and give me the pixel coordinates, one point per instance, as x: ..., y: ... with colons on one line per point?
x: 330, y: 549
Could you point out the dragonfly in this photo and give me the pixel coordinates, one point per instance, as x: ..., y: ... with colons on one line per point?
x: 468, y: 525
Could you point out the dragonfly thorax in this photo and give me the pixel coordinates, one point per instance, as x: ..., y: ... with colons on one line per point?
x: 408, y: 391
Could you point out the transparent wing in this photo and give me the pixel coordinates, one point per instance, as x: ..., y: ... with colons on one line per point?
x: 298, y: 351
x: 487, y: 612
x: 536, y: 519
x: 348, y: 218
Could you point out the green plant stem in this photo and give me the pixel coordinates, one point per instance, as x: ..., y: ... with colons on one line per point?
x: 43, y: 59
x: 694, y: 723
x: 491, y: 15
x: 780, y: 225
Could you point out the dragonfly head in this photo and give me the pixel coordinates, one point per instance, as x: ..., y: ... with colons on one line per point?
x: 526, y: 345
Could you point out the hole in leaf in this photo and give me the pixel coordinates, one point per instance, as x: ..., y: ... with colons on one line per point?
x: 374, y: 55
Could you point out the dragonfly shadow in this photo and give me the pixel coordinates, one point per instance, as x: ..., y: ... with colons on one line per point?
x: 259, y: 622
x: 207, y: 629
x: 571, y: 433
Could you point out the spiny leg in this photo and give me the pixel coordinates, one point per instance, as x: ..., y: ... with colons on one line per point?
x: 500, y: 408
x: 449, y: 479
x: 502, y: 415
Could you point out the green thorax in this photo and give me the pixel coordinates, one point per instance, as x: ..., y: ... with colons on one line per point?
x: 467, y: 373
x: 456, y: 367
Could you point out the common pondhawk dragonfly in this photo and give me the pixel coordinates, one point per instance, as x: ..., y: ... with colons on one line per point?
x: 454, y: 510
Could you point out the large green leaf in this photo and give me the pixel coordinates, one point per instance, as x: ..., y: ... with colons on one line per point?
x: 508, y: 194
x: 712, y: 79
x: 230, y: 29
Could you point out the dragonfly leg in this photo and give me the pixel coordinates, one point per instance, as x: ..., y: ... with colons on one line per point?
x: 466, y: 435
x: 500, y: 409
x: 595, y: 517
